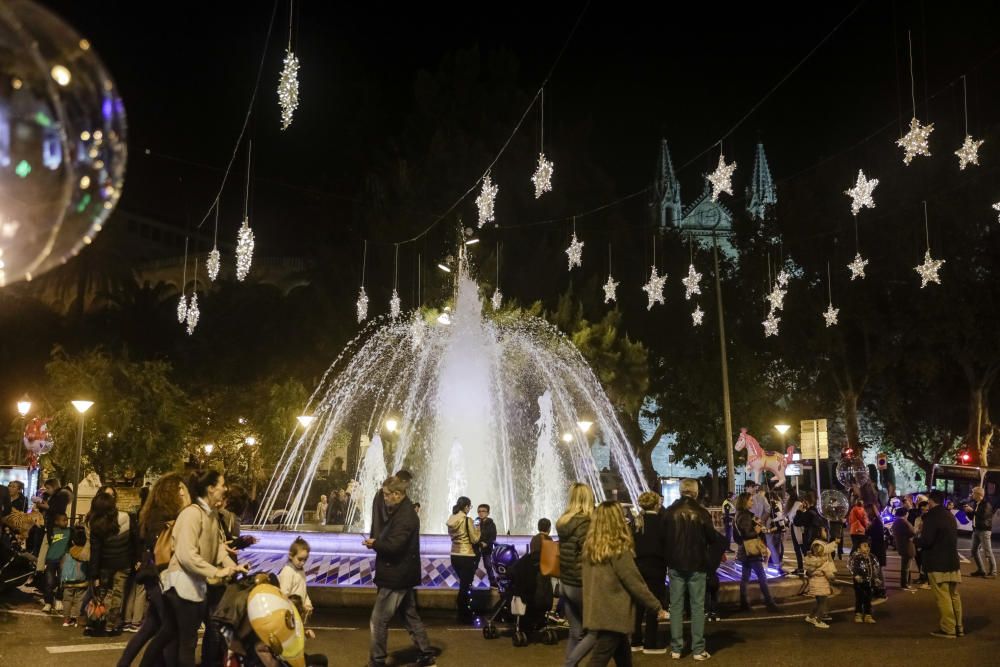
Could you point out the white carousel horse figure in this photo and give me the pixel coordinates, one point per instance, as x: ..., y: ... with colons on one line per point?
x: 758, y: 460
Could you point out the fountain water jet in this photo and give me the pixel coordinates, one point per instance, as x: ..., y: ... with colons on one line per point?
x: 464, y: 394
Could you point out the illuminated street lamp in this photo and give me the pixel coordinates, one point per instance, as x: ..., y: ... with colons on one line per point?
x: 305, y: 421
x: 391, y: 425
x: 209, y: 448
x: 250, y: 442
x: 81, y: 407
x: 584, y: 426
x: 567, y: 438
x: 782, y: 429
x: 24, y: 406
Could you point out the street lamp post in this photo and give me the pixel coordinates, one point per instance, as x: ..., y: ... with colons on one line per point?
x: 251, y: 442
x: 726, y: 411
x: 782, y: 429
x: 81, y: 407
x: 23, y: 408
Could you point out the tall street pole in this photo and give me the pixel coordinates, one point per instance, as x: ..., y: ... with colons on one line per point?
x: 726, y: 413
x: 76, y: 479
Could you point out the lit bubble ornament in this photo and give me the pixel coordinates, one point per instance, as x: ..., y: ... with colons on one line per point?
x: 362, y: 306
x: 486, y: 199
x: 722, y: 178
x: 62, y: 142
x: 542, y: 177
x: 851, y: 471
x: 288, y: 89
x: 833, y: 505
x: 654, y: 288
x: 861, y: 193
x: 244, y: 250
x: 914, y: 142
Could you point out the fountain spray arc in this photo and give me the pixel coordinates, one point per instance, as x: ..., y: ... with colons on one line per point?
x: 480, y: 403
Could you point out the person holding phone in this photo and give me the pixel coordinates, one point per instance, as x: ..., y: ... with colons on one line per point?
x: 487, y: 538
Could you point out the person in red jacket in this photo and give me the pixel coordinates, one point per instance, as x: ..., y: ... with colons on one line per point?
x: 858, y: 521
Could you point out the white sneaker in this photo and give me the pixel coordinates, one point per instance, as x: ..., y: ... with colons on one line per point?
x: 821, y: 625
x: 59, y: 606
x: 654, y: 651
x: 701, y: 657
x: 46, y: 607
x: 810, y: 620
x: 675, y: 655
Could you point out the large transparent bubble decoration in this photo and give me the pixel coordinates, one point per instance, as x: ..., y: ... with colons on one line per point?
x: 851, y: 471
x: 62, y: 141
x: 833, y: 505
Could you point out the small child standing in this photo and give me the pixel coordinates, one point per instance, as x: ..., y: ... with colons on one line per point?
x: 820, y: 574
x: 53, y: 560
x: 74, y: 578
x: 292, y: 578
x: 867, y: 579
x: 544, y: 528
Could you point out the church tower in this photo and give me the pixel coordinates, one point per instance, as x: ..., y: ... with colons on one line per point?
x: 761, y: 193
x: 666, y: 191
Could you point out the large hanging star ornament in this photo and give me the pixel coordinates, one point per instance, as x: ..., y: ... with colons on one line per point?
x: 857, y: 267
x: 861, y: 193
x: 969, y: 152
x: 929, y: 270
x: 914, y: 142
x: 697, y: 316
x: 771, y: 325
x: 485, y: 200
x: 610, y: 289
x: 543, y: 176
x: 288, y: 89
x: 782, y: 278
x: 831, y: 315
x: 722, y: 178
x: 691, y: 286
x: 394, y: 305
x: 654, y: 288
x: 575, y: 252
x: 777, y: 297
x: 362, y: 306
x: 497, y: 299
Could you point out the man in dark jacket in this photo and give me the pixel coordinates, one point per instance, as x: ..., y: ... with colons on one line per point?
x: 981, y: 512
x: 939, y: 540
x: 379, y: 512
x: 689, y: 533
x: 397, y: 572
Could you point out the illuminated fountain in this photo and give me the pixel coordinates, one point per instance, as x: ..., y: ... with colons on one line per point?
x: 480, y: 405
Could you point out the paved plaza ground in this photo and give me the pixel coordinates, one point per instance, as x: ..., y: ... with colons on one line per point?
x: 27, y: 636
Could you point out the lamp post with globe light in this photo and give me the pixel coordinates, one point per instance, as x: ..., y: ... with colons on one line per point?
x: 782, y: 429
x: 81, y: 407
x: 251, y: 442
x: 23, y: 408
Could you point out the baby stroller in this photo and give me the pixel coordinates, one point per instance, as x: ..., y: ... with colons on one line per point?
x: 17, y: 564
x: 525, y: 596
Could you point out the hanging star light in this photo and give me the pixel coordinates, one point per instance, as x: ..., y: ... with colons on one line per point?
x: 244, y: 250
x: 362, y: 306
x: 575, y: 252
x: 610, y: 290
x: 861, y: 193
x: 771, y: 325
x: 697, y: 316
x: 929, y: 270
x: 857, y: 267
x: 782, y: 278
x: 394, y: 305
x: 654, y: 288
x: 288, y: 89
x: 182, y: 309
x: 497, y: 300
x: 192, y: 314
x: 996, y: 207
x: 486, y: 199
x: 831, y: 315
x: 212, y: 264
x: 777, y: 298
x: 969, y: 152
x: 914, y: 142
x: 542, y: 177
x: 691, y: 286
x: 721, y: 178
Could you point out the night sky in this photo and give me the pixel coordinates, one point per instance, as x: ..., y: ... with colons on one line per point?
x: 632, y: 73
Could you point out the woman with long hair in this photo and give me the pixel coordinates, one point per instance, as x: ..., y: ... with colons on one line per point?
x: 612, y: 585
x: 464, y: 533
x: 112, y: 554
x: 166, y: 500
x: 572, y: 529
x: 199, y: 554
x: 748, y: 527
x: 651, y: 559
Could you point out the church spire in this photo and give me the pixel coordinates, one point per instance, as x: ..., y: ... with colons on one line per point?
x: 761, y: 194
x: 666, y: 190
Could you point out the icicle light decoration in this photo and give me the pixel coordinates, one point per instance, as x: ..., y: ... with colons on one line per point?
x: 288, y: 82
x: 212, y: 264
x: 244, y: 239
x: 486, y: 199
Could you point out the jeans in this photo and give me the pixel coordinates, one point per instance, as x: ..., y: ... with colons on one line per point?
x: 755, y: 566
x: 608, y: 645
x: 389, y: 603
x: 948, y: 601
x: 657, y: 584
x: 135, y: 603
x: 213, y: 645
x: 113, y: 587
x: 819, y: 608
x: 981, y: 542
x: 487, y: 557
x: 580, y: 642
x: 904, y: 571
x: 465, y: 568
x: 52, y: 582
x: 862, y: 598
x: 156, y: 612
x: 187, y: 616
x: 694, y: 583
x: 72, y: 597
x: 797, y: 548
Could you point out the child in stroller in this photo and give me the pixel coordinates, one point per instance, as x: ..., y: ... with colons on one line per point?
x: 525, y: 597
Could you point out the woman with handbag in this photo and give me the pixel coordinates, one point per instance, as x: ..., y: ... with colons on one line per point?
x: 200, y: 555
x: 752, y: 552
x: 166, y: 500
x: 572, y: 529
x: 464, y: 533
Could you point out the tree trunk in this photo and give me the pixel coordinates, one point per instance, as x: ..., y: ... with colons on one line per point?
x: 648, y: 470
x: 715, y: 487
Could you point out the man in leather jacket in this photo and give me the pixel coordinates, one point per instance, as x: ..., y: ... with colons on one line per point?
x: 689, y: 532
x: 982, y: 532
